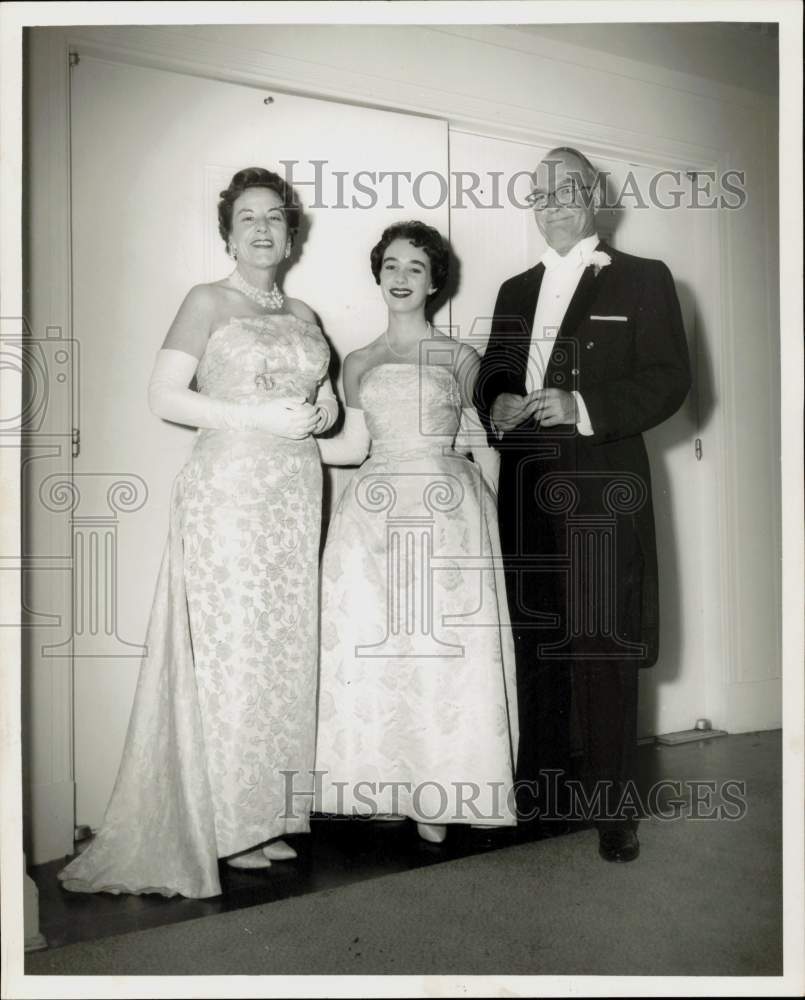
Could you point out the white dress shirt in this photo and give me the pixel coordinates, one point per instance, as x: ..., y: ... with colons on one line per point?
x: 561, y: 278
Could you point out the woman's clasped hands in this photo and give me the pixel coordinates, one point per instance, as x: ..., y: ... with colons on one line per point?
x: 291, y: 417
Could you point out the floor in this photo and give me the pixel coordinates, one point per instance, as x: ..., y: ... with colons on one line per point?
x: 341, y: 853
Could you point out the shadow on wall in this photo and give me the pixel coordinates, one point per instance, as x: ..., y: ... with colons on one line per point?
x: 681, y: 430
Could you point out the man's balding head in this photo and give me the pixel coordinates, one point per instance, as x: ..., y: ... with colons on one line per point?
x: 569, y: 155
x: 570, y: 181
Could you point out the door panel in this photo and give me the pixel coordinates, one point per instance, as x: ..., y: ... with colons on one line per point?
x: 151, y: 150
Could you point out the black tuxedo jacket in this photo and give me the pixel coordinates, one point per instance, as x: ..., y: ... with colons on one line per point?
x: 622, y: 346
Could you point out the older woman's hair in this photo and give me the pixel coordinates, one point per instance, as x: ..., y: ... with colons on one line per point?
x: 258, y: 177
x: 423, y: 237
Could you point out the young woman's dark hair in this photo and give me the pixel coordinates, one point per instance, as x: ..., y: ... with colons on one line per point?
x: 258, y: 177
x: 423, y: 237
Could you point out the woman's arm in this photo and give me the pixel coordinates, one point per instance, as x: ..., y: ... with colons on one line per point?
x: 192, y: 326
x: 471, y: 435
x: 351, y: 445
x: 326, y: 405
x: 170, y: 396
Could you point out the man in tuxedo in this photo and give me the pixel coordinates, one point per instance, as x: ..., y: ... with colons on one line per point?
x: 587, y: 351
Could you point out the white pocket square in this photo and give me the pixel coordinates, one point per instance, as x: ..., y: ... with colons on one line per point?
x: 617, y: 319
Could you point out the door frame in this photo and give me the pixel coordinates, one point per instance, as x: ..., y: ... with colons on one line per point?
x: 49, y: 185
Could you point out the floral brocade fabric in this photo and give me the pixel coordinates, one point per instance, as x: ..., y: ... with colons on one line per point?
x: 417, y: 704
x: 226, y: 697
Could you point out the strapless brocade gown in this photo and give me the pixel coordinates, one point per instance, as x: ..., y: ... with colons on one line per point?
x: 226, y: 697
x: 417, y: 700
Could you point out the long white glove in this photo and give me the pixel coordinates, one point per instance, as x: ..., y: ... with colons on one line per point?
x: 471, y: 437
x: 326, y: 401
x: 351, y: 445
x: 170, y: 398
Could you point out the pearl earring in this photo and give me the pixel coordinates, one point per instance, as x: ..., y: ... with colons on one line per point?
x: 287, y: 250
x: 232, y: 251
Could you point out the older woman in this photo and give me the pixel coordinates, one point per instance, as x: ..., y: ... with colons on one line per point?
x: 417, y: 703
x: 225, y: 702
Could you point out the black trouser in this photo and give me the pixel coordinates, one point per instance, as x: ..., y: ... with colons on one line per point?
x: 568, y: 666
x: 543, y: 758
x: 603, y: 697
x: 605, y: 700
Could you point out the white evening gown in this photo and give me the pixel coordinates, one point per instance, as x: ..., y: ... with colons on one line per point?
x: 417, y: 688
x: 226, y: 697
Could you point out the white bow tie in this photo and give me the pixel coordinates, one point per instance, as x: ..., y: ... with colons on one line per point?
x: 574, y: 258
x: 579, y: 256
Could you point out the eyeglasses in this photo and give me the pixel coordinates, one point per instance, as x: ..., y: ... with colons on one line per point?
x: 567, y: 194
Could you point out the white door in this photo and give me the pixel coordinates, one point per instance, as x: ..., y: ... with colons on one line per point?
x: 150, y: 152
x: 495, y: 243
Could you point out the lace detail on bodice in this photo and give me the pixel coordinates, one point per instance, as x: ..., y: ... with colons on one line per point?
x: 409, y: 407
x: 252, y: 356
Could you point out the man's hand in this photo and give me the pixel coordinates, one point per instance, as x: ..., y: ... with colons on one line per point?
x: 550, y: 407
x: 509, y: 411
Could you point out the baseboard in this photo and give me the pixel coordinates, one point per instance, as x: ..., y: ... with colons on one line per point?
x: 689, y: 736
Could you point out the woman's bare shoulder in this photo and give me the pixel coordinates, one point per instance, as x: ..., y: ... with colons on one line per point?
x: 301, y: 310
x: 356, y: 364
x: 359, y: 360
x: 462, y: 351
x: 206, y: 293
x: 195, y: 319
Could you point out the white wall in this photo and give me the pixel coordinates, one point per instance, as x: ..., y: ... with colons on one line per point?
x: 742, y: 56
x: 528, y: 83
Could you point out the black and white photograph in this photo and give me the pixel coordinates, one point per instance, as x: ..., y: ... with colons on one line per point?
x: 402, y: 538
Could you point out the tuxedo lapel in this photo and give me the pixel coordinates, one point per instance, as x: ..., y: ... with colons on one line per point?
x: 526, y: 307
x: 579, y: 304
x: 529, y: 306
x: 588, y: 288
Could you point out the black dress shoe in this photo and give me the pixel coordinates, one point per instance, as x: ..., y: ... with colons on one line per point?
x: 620, y: 844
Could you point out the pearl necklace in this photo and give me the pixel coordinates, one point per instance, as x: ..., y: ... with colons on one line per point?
x: 272, y: 299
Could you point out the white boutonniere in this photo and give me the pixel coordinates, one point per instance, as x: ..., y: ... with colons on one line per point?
x: 599, y: 259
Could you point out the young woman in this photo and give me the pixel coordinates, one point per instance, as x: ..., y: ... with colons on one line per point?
x: 417, y: 709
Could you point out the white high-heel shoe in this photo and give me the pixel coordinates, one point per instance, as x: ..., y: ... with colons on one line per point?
x: 434, y: 833
x: 252, y: 859
x: 278, y: 850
